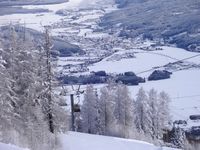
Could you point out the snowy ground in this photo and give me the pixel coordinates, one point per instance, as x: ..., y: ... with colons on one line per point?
x: 38, y: 20
x: 80, y: 141
x: 10, y: 147
x: 145, y: 60
x: 183, y: 90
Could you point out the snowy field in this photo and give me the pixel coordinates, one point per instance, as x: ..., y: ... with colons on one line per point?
x: 183, y: 90
x: 38, y: 20
x: 144, y: 60
x: 81, y: 141
x: 10, y: 147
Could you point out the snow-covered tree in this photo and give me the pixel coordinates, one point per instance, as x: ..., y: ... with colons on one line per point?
x: 178, y: 137
x: 154, y: 113
x: 143, y: 113
x: 23, y: 95
x: 106, y: 105
x: 6, y: 100
x: 89, y: 111
x: 159, y: 110
x: 124, y: 112
x: 163, y: 109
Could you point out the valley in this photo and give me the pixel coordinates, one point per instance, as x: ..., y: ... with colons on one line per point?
x: 77, y: 22
x: 79, y: 26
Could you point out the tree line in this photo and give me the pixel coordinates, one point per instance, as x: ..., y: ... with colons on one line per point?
x: 113, y: 112
x: 27, y: 99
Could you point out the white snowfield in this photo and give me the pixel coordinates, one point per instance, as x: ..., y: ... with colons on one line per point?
x: 183, y: 90
x: 144, y: 60
x: 81, y: 141
x: 10, y: 147
x: 55, y: 7
x: 38, y: 20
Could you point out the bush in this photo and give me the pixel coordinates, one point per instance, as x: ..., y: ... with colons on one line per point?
x: 159, y: 75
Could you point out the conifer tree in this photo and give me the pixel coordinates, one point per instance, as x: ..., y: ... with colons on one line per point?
x: 90, y: 111
x: 124, y: 112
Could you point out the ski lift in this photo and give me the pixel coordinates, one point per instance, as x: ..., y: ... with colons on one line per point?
x: 77, y: 108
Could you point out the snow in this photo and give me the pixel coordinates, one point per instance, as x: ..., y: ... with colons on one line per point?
x: 179, y: 53
x: 10, y: 147
x: 182, y: 86
x: 55, y: 7
x: 81, y: 141
x: 34, y: 21
x: 51, y: 7
x: 38, y: 20
x: 183, y: 90
x: 144, y: 60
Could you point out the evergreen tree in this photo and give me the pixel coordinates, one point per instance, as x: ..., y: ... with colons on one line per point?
x: 178, y: 137
x: 163, y: 111
x: 143, y: 113
x: 23, y: 92
x: 154, y: 113
x: 106, y: 110
x: 6, y: 100
x: 89, y: 111
x: 124, y: 111
x: 159, y: 110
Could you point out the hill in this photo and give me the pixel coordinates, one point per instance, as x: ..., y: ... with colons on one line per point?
x: 175, y: 21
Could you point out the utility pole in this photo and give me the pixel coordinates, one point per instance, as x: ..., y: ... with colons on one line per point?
x: 72, y: 111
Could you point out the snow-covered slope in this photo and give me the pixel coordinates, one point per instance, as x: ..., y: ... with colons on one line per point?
x: 10, y: 147
x: 80, y: 141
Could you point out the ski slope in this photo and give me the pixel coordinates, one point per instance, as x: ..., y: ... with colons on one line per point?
x: 10, y: 147
x: 81, y: 141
